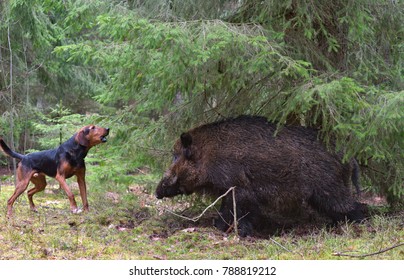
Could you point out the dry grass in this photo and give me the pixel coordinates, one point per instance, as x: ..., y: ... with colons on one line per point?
x: 129, y: 223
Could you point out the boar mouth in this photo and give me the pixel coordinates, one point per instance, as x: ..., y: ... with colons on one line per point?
x: 167, y: 193
x: 168, y: 187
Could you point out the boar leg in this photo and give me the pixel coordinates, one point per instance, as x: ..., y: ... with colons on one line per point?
x: 338, y: 210
x: 358, y: 213
x: 225, y: 221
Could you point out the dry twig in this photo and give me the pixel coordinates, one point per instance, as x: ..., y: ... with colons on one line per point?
x: 286, y: 249
x: 342, y: 254
x: 235, y: 213
x: 204, y: 211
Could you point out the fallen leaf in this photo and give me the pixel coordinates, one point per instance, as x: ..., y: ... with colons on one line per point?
x: 189, y: 229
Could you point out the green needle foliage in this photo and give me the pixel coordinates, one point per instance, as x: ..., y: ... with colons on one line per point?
x: 156, y: 68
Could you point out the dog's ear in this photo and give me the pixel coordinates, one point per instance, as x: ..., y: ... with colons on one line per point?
x: 81, y: 137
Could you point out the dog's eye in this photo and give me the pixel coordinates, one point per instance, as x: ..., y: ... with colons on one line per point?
x: 93, y: 127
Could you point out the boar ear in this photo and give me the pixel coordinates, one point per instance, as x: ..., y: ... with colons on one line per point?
x: 186, y: 141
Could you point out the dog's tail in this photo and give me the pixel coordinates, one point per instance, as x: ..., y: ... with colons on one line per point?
x: 9, y: 152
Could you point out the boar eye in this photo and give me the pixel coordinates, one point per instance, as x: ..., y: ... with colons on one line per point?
x: 175, y: 157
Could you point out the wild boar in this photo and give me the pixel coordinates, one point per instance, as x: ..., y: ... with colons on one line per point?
x: 274, y: 175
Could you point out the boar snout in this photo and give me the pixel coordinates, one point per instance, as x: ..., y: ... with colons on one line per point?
x: 168, y: 187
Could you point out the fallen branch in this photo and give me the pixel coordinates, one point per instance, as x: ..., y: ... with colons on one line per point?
x: 231, y: 226
x: 235, y: 223
x: 280, y: 245
x: 286, y: 249
x: 342, y: 254
x: 204, y: 211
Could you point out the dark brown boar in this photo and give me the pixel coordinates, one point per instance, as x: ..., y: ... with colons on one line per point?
x: 273, y: 175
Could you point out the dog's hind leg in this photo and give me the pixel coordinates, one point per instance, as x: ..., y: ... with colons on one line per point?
x: 40, y: 184
x: 23, y: 178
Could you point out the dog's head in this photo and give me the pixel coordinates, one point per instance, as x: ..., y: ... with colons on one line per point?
x: 91, y: 135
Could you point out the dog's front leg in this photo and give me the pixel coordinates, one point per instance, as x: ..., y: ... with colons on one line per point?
x: 81, y: 180
x: 62, y: 182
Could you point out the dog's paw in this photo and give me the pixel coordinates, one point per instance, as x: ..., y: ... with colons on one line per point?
x: 77, y: 211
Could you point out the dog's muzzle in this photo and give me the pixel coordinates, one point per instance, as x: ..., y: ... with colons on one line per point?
x: 104, y: 137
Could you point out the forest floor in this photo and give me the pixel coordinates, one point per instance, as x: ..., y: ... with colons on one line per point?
x: 130, y: 223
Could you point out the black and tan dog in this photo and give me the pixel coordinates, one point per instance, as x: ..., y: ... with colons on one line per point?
x: 60, y: 163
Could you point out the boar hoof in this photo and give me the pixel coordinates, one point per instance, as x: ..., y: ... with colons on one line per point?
x: 245, y: 229
x: 220, y: 224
